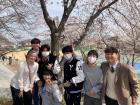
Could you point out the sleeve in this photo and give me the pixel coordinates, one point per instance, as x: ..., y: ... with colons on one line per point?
x: 97, y: 88
x: 133, y: 82
x: 20, y: 75
x: 57, y: 93
x: 80, y: 74
x: 56, y: 68
x: 61, y: 79
x: 35, y: 77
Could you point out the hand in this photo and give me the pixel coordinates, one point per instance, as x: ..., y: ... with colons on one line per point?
x: 91, y: 93
x: 134, y: 102
x: 20, y: 94
x: 49, y: 66
x: 67, y: 84
x: 56, y: 53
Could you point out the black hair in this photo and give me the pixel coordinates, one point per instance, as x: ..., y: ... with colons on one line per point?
x: 67, y: 48
x: 46, y: 72
x: 35, y: 41
x: 45, y: 46
x: 93, y: 52
x: 111, y: 50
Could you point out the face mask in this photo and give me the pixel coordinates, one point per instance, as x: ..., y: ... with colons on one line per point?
x: 68, y: 56
x: 45, y: 53
x: 92, y: 60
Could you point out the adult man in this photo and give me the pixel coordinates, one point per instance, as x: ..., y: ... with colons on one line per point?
x: 120, y: 85
x: 73, y: 77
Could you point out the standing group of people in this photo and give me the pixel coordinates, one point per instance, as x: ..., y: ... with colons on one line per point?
x: 37, y: 77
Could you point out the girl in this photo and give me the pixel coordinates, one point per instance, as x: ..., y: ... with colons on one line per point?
x: 22, y: 82
x: 50, y: 92
x: 93, y: 83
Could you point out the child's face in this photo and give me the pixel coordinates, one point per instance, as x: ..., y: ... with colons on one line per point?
x: 47, y: 78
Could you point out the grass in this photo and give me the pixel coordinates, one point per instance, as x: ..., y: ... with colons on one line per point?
x: 4, y: 101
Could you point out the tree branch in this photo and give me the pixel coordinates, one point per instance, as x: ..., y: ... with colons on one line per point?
x: 47, y: 18
x: 91, y: 19
x: 67, y: 11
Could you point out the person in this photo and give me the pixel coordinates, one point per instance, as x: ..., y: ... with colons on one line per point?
x: 22, y: 83
x: 47, y: 62
x: 93, y: 80
x: 3, y: 58
x: 120, y: 84
x: 50, y: 92
x: 35, y: 45
x: 73, y: 77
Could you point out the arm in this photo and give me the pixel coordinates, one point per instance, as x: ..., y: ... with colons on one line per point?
x: 35, y: 77
x: 57, y: 93
x: 20, y: 75
x: 133, y: 82
x: 60, y: 81
x: 97, y: 88
x: 56, y: 68
x: 80, y: 75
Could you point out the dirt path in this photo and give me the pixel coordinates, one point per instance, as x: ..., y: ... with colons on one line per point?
x: 5, y: 77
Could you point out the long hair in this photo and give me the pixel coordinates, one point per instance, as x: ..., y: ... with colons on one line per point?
x: 29, y: 53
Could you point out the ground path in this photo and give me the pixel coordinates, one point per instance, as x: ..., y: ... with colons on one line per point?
x: 5, y: 77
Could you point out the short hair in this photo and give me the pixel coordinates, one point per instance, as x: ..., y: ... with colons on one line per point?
x: 46, y: 72
x: 67, y: 48
x: 111, y: 50
x: 35, y: 41
x: 93, y: 52
x: 45, y: 46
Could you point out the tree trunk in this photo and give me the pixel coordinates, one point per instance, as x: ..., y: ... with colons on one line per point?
x: 55, y: 42
x: 133, y: 59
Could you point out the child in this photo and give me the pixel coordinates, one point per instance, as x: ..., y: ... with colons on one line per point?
x: 50, y: 92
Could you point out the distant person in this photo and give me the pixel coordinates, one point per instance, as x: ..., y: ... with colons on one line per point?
x: 120, y: 85
x: 3, y: 58
x: 73, y: 77
x: 50, y: 93
x: 93, y: 80
x: 22, y: 83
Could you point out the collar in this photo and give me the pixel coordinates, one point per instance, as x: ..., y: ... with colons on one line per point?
x: 114, y: 65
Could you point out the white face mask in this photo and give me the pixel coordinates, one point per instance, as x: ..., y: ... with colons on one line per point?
x: 68, y: 56
x: 45, y: 53
x: 92, y: 59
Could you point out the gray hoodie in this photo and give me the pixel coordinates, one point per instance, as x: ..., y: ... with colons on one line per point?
x: 51, y: 95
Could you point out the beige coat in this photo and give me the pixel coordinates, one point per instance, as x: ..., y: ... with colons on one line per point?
x: 126, y: 83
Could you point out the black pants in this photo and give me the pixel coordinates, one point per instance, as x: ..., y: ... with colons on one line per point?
x: 25, y: 100
x: 110, y: 101
x: 72, y: 99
